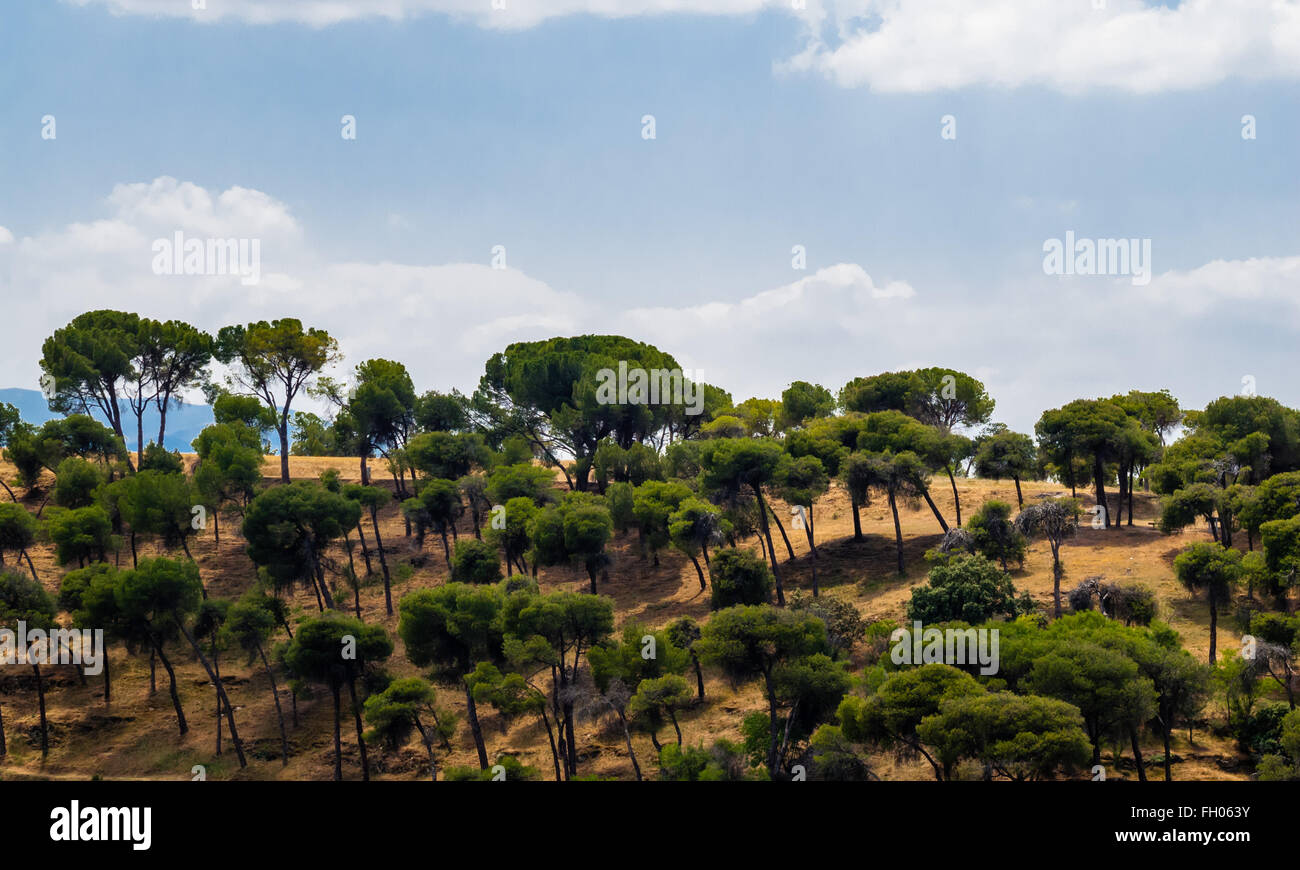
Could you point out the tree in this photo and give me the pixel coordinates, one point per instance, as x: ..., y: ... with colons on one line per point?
x: 659, y: 697
x: 1008, y: 455
x: 80, y: 534
x: 891, y: 716
x: 453, y: 628
x: 381, y: 409
x: 619, y: 669
x: 371, y: 499
x: 899, y: 476
x: 550, y: 392
x: 276, y: 361
x: 800, y: 482
x: 442, y: 412
x: 336, y: 649
x: 684, y: 632
x: 513, y: 533
x: 24, y: 599
x: 733, y: 464
x: 966, y: 588
x: 751, y: 641
x: 995, y: 536
x: 156, y: 504
x: 398, y: 710
x: 653, y: 504
x: 475, y: 562
x: 288, y: 529
x: 173, y: 356
x: 438, y: 506
x: 1055, y: 520
x: 739, y: 577
x: 91, y: 363
x: 1213, y: 568
x: 249, y: 624
x: 229, y: 470
x: 576, y: 530
x: 554, y: 631
x: 163, y: 593
x: 18, y: 530
x: 1092, y: 428
x: 695, y: 526
x: 804, y: 401
x: 1021, y: 737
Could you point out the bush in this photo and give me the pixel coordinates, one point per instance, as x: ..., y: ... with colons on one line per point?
x: 739, y: 577
x: 994, y: 536
x: 475, y: 561
x: 969, y: 589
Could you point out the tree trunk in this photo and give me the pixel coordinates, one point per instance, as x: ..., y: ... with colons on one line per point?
x: 627, y: 737
x: 771, y: 550
x: 176, y: 698
x: 857, y: 521
x: 283, y: 429
x: 471, y: 713
x: 956, y: 499
x: 365, y: 550
x: 1020, y: 499
x: 383, y: 561
x: 925, y: 493
x: 1056, y: 580
x: 279, y: 711
x: 812, y: 548
x: 45, y: 726
x: 1137, y: 753
x: 698, y: 570
x: 781, y: 528
x: 699, y: 674
x: 356, y: 716
x: 1169, y: 777
x: 338, y: 740
x: 1097, y: 471
x: 221, y: 689
x: 555, y: 752
x: 1214, y: 625
x: 898, y: 531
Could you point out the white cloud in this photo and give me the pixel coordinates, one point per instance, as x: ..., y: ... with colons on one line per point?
x: 516, y: 14
x: 904, y: 46
x: 6, y: 237
x: 1037, y: 340
x: 930, y: 45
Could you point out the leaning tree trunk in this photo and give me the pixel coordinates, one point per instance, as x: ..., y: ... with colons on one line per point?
x: 171, y: 676
x: 956, y: 499
x: 925, y: 493
x: 338, y: 741
x: 279, y: 712
x: 771, y: 550
x: 627, y: 738
x: 221, y: 689
x: 471, y: 713
x: 781, y: 528
x: 1137, y: 753
x: 898, y: 531
x: 356, y: 715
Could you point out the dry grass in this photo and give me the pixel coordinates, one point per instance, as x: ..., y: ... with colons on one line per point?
x: 136, y: 736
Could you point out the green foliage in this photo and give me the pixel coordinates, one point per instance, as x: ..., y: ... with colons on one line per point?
x: 475, y: 562
x: 80, y: 534
x: 739, y: 577
x: 967, y: 588
x: 723, y: 762
x: 995, y: 535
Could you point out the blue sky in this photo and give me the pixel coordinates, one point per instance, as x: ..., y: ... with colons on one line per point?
x: 773, y: 129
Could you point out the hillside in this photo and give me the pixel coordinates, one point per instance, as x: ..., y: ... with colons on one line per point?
x: 136, y: 735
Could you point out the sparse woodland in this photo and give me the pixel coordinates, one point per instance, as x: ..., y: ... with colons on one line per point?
x: 530, y: 582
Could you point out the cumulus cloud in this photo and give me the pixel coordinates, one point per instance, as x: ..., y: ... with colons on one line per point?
x: 903, y: 46
x: 914, y: 46
x: 1023, y: 335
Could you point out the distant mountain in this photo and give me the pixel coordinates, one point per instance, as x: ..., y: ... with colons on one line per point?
x: 183, y: 423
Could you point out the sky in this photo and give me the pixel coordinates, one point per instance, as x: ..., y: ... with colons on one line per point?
x: 920, y: 153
